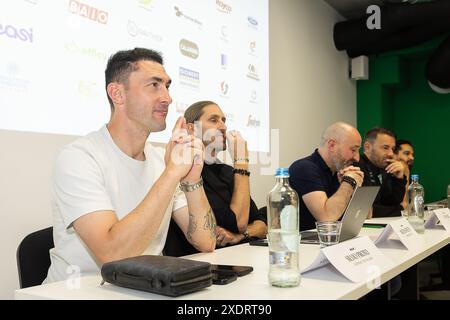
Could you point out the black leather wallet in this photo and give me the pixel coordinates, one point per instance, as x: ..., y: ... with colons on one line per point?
x: 165, y: 275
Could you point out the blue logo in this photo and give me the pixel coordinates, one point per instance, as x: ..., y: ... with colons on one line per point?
x: 16, y: 33
x: 224, y: 61
x: 189, y: 77
x: 11, y: 82
x: 252, y: 21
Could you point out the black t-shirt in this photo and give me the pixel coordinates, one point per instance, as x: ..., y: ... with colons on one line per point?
x: 389, y: 198
x: 311, y: 174
x: 218, y: 183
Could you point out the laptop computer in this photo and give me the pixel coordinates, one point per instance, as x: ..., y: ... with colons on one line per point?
x: 354, y: 216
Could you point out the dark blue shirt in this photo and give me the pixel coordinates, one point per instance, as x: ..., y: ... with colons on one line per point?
x: 308, y: 175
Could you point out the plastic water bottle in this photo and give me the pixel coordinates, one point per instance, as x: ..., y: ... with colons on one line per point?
x: 283, y: 232
x: 416, y: 196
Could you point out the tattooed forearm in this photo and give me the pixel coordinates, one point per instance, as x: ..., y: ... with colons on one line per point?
x: 210, y: 222
x: 192, y: 226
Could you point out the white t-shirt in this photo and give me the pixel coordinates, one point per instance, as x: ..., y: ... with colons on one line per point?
x: 93, y: 174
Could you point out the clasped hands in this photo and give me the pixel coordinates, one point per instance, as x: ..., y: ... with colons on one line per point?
x: 184, y: 153
x: 352, y: 172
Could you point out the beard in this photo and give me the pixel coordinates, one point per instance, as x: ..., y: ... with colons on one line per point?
x: 378, y: 161
x: 343, y: 165
x: 217, y: 144
x: 213, y: 139
x: 410, y: 165
x: 340, y: 163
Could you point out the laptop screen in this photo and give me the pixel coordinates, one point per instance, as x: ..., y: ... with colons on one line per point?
x: 353, y: 218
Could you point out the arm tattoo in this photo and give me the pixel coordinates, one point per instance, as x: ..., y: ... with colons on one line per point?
x: 192, y: 226
x: 210, y: 222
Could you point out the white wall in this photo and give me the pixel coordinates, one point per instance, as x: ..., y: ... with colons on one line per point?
x: 308, y: 91
x: 25, y: 165
x: 309, y: 88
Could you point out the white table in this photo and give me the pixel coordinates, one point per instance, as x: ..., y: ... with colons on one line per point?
x: 323, y: 283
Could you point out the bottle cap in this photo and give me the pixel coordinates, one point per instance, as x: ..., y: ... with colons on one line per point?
x: 282, y: 172
x: 415, y: 177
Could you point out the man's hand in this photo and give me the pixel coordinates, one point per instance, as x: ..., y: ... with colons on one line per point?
x: 406, y: 170
x: 370, y: 213
x: 225, y: 237
x: 352, y: 172
x: 237, y: 147
x: 182, y: 150
x: 198, y: 152
x: 395, y: 168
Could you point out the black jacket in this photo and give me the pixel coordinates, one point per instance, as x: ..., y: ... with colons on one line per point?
x: 389, y: 198
x: 218, y: 182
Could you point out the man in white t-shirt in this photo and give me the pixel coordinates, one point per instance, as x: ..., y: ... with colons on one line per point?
x: 113, y: 193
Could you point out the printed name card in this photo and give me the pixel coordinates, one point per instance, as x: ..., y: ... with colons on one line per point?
x: 442, y: 215
x: 404, y: 231
x: 357, y: 259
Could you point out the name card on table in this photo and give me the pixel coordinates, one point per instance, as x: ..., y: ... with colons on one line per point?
x: 357, y: 259
x: 404, y: 231
x: 442, y: 215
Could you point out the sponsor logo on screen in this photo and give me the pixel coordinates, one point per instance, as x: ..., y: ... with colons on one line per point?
x: 253, y: 96
x: 145, y: 4
x: 90, y: 52
x: 223, y: 61
x: 224, y: 88
x: 252, y: 72
x: 224, y: 33
x: 16, y: 33
x: 252, y: 22
x: 223, y: 7
x: 252, y: 48
x: 136, y: 30
x: 189, y: 78
x: 88, y: 12
x: 11, y: 82
x: 180, y: 14
x: 229, y: 117
x: 189, y: 48
x: 253, y: 122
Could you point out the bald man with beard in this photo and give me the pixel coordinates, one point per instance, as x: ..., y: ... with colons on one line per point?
x: 325, y: 180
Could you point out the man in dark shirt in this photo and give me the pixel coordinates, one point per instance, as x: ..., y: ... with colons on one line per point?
x: 404, y: 152
x: 382, y: 169
x: 227, y: 188
x: 326, y: 179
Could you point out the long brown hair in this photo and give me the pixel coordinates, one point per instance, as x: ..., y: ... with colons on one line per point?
x: 195, y: 110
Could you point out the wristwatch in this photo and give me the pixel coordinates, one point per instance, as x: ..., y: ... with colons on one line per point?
x: 188, y: 187
x: 246, y: 234
x: 242, y: 172
x: 350, y: 181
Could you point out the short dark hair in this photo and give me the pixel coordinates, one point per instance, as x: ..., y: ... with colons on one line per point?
x: 122, y: 63
x: 399, y: 144
x: 195, y: 110
x: 373, y: 133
